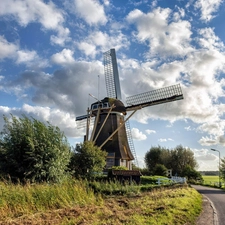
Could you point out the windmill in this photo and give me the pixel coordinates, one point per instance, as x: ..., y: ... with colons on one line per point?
x: 109, y: 130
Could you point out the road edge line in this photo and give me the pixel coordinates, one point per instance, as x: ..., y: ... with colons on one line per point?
x: 215, y: 216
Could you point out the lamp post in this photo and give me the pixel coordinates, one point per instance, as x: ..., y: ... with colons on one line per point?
x: 219, y: 164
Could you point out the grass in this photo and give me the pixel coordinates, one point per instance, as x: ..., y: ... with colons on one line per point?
x: 17, y: 200
x: 76, y: 202
x: 212, y: 179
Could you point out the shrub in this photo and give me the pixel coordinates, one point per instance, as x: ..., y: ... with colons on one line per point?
x: 32, y: 150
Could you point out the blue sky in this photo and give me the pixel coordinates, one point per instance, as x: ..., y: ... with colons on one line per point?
x: 51, y: 58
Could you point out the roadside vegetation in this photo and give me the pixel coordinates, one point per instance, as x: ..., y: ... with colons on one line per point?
x: 75, y: 202
x: 43, y: 180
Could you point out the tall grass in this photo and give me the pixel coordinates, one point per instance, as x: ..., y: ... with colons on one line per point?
x: 17, y: 200
x: 76, y: 201
x: 115, y: 187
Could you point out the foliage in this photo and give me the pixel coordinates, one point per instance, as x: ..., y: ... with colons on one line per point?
x: 115, y: 187
x: 176, y: 159
x: 222, y: 169
x: 73, y: 202
x: 153, y: 157
x: 160, y: 170
x: 119, y: 168
x: 134, y: 167
x: 87, y: 160
x: 145, y: 172
x: 181, y: 158
x: 30, y: 199
x: 31, y: 150
x: 191, y: 174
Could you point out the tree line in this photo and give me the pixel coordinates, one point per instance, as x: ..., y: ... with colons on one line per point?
x: 180, y: 160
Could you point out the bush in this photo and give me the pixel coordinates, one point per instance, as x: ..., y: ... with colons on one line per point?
x: 87, y: 160
x: 31, y: 150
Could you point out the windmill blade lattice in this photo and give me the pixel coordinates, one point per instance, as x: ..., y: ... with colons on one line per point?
x: 155, y: 97
x: 111, y: 75
x: 131, y: 143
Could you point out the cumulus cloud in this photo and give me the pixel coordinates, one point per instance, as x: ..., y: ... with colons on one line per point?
x: 65, y: 89
x: 207, y: 8
x: 28, y: 11
x: 164, y: 36
x: 91, y: 11
x: 7, y: 49
x: 30, y: 59
x: 208, y: 141
x: 169, y: 56
x: 64, y: 120
x: 138, y: 135
x: 63, y: 57
x: 99, y: 41
x: 206, y: 159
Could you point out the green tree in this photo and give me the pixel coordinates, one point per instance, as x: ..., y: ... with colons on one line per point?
x: 222, y: 169
x: 153, y: 157
x: 181, y: 158
x: 32, y: 150
x: 160, y: 170
x: 176, y: 159
x: 191, y: 174
x: 87, y: 160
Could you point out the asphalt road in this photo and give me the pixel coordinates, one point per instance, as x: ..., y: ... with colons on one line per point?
x: 217, y: 197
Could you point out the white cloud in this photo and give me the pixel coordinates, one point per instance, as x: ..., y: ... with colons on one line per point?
x: 206, y: 159
x: 150, y: 131
x: 63, y: 57
x: 208, y: 39
x: 208, y: 141
x: 7, y: 49
x: 165, y: 139
x: 61, y: 37
x: 59, y: 89
x: 91, y: 11
x: 162, y: 140
x: 26, y: 56
x: 28, y: 11
x: 101, y: 41
x: 30, y: 59
x: 138, y: 135
x: 88, y: 49
x: 165, y: 38
x: 215, y: 128
x: 188, y: 128
x: 208, y: 8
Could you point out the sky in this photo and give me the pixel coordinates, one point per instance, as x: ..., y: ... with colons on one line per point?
x: 51, y: 59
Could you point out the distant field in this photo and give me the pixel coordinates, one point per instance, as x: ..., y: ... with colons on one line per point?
x: 209, y: 179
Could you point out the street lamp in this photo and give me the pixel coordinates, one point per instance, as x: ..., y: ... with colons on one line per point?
x: 219, y: 164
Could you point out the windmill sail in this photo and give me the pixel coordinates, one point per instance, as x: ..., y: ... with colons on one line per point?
x: 111, y: 75
x: 154, y: 97
x: 131, y: 143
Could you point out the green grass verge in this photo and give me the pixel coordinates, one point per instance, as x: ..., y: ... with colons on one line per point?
x: 76, y: 202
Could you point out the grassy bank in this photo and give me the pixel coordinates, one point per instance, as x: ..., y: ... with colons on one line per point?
x: 74, y: 202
